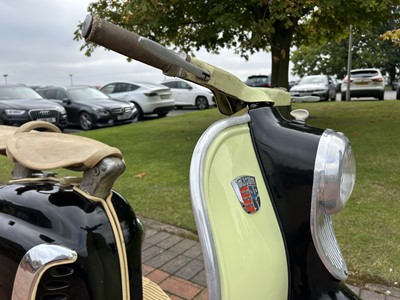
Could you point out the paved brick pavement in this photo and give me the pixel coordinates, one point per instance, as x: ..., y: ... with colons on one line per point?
x: 172, y: 258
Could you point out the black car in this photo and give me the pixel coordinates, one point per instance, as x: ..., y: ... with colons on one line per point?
x: 20, y: 104
x: 88, y: 107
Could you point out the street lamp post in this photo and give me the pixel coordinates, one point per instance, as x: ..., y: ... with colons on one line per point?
x: 70, y: 76
x: 349, y: 62
x: 5, y: 78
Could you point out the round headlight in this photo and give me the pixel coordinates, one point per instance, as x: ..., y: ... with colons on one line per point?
x: 335, y: 172
x: 334, y: 177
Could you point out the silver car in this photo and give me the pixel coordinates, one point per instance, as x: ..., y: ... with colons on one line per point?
x: 320, y: 86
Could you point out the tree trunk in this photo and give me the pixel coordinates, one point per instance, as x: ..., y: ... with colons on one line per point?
x: 280, y: 51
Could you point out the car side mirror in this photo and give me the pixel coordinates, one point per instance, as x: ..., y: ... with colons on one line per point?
x: 66, y: 101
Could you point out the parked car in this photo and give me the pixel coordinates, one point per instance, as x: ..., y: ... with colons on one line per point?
x: 364, y: 83
x: 149, y: 98
x: 89, y: 107
x: 258, y: 81
x: 320, y: 86
x: 189, y: 94
x: 20, y: 104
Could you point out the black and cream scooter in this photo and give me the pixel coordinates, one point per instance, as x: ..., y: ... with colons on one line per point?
x: 264, y: 186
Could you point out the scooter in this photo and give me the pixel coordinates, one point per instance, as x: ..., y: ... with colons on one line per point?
x: 264, y: 186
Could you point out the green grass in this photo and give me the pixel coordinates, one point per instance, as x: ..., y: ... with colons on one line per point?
x: 368, y: 229
x: 158, y: 153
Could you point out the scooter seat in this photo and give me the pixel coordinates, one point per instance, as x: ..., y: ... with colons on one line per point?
x: 51, y: 150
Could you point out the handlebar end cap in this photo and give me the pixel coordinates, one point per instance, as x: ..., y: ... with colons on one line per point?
x: 87, y: 26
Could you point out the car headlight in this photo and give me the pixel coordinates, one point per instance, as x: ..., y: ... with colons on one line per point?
x: 15, y: 112
x: 334, y: 178
x: 102, y: 111
x: 62, y: 110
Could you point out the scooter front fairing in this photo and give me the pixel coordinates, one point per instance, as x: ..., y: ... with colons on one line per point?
x: 251, y: 184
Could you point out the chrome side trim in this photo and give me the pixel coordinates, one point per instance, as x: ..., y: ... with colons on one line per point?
x: 33, y: 265
x: 199, y: 205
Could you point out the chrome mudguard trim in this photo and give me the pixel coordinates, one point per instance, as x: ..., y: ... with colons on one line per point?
x: 198, y: 201
x: 33, y: 265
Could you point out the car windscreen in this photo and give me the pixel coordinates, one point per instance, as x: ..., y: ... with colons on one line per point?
x: 87, y: 94
x: 312, y: 80
x: 259, y: 79
x: 18, y: 92
x: 364, y: 74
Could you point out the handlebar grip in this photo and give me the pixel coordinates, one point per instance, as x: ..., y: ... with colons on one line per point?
x: 120, y: 40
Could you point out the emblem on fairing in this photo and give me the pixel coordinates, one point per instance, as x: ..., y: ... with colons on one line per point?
x: 247, y: 193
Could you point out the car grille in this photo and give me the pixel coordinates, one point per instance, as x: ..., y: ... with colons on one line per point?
x: 40, y: 114
x: 121, y: 110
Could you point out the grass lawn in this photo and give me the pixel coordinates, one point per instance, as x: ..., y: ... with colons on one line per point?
x: 158, y: 153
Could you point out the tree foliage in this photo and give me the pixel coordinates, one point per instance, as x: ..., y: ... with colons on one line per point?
x: 246, y: 26
x: 392, y: 35
x: 369, y: 50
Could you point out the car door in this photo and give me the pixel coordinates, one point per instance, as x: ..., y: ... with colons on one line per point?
x: 71, y: 107
x: 179, y: 93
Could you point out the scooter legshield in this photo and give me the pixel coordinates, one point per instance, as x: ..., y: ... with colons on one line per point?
x: 243, y: 249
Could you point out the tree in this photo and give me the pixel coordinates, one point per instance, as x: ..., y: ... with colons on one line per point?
x: 247, y: 26
x: 393, y: 35
x: 369, y: 50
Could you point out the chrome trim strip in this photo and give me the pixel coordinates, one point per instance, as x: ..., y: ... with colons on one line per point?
x: 198, y: 201
x: 33, y: 265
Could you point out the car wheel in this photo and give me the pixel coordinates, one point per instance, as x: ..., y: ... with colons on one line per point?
x: 398, y: 94
x: 381, y: 96
x: 201, y: 102
x: 85, y: 121
x: 140, y: 114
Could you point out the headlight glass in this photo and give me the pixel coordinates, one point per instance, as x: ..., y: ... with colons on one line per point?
x: 14, y: 112
x: 102, y: 111
x: 62, y: 110
x: 334, y: 178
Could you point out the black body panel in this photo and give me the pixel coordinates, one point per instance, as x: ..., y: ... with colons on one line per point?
x: 45, y: 213
x: 286, y: 152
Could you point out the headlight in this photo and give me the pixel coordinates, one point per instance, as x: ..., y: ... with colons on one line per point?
x: 102, y: 111
x: 15, y: 112
x: 62, y: 110
x: 334, y: 178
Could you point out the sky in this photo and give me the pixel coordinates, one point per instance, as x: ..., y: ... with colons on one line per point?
x: 37, y: 48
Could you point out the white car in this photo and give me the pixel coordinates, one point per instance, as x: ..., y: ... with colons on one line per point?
x: 149, y: 98
x: 189, y: 94
x: 364, y: 83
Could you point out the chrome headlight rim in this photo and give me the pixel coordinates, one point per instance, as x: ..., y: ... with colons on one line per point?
x: 334, y: 177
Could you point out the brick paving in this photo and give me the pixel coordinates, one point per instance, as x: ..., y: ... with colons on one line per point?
x: 172, y: 258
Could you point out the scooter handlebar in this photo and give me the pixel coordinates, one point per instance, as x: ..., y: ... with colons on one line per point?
x: 231, y: 94
x: 139, y: 48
